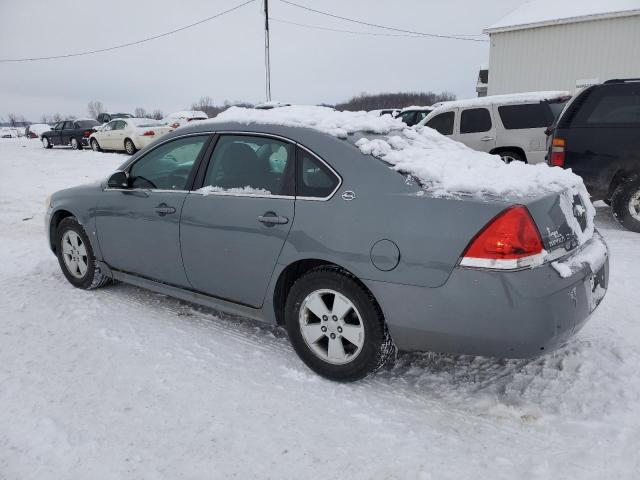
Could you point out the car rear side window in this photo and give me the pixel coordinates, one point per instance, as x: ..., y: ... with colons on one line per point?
x: 474, y: 120
x: 314, y: 178
x: 610, y: 105
x: 531, y: 115
x: 168, y: 166
x: 252, y: 165
x: 443, y: 123
x: 68, y: 126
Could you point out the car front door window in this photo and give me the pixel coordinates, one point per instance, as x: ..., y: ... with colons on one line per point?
x: 168, y: 166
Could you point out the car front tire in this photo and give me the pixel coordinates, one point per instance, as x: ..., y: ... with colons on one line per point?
x: 625, y: 204
x: 95, y: 146
x: 75, y: 144
x: 76, y: 257
x: 46, y: 143
x: 335, y: 325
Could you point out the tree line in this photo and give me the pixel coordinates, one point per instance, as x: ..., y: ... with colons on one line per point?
x: 206, y: 104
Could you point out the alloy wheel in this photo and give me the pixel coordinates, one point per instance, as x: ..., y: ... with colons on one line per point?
x: 331, y: 326
x: 45, y: 142
x: 129, y: 147
x: 74, y: 253
x: 74, y: 143
x: 94, y: 145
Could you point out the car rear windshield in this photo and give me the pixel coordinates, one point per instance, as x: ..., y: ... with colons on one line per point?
x: 529, y: 115
x: 87, y: 123
x: 616, y: 104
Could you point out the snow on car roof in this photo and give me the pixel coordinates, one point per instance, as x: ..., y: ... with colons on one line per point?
x: 443, y: 166
x: 538, y: 13
x: 188, y: 114
x: 527, y: 97
x: 416, y: 107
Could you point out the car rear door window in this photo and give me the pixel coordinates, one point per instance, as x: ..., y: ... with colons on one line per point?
x: 314, y: 178
x: 252, y: 165
x: 531, y: 115
x: 68, y: 126
x: 474, y: 120
x: 168, y: 166
x: 610, y: 105
x: 443, y: 123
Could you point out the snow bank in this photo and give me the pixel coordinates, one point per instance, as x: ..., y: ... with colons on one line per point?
x: 593, y: 254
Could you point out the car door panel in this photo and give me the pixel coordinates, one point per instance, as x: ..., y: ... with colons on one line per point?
x: 477, y: 129
x: 137, y: 234
x: 228, y: 252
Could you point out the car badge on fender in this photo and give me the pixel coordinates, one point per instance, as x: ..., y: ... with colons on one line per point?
x: 348, y: 195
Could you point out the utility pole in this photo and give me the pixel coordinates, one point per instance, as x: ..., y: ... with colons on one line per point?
x: 267, y: 60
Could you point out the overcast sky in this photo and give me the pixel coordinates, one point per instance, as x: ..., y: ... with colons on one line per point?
x: 224, y: 58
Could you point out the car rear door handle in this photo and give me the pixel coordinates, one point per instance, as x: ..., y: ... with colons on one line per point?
x: 486, y: 139
x: 164, y: 209
x: 271, y: 218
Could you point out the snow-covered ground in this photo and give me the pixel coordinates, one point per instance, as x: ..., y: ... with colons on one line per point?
x: 122, y: 383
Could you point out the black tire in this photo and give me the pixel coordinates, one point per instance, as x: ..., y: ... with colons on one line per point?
x: 75, y: 144
x: 95, y: 146
x: 378, y: 345
x: 621, y: 204
x: 509, y: 156
x: 93, y: 277
x: 46, y: 143
x: 129, y: 146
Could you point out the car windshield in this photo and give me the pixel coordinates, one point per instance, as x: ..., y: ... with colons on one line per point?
x: 87, y: 123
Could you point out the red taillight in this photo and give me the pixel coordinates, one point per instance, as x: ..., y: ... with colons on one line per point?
x: 511, y: 240
x: 175, y: 125
x: 149, y: 133
x: 557, y: 152
x: 87, y: 133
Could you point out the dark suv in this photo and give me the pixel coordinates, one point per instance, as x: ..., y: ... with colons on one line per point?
x: 598, y: 137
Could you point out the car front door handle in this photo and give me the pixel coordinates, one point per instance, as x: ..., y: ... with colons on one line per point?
x: 486, y: 139
x: 164, y: 209
x: 271, y: 218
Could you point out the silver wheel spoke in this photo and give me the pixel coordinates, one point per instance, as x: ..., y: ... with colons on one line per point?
x: 312, y: 332
x: 341, y: 306
x: 336, y: 349
x: 74, y: 254
x: 354, y: 334
x: 317, y: 306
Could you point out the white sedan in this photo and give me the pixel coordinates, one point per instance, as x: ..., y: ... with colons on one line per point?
x: 128, y: 134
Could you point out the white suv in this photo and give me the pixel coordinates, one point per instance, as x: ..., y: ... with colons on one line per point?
x: 512, y: 126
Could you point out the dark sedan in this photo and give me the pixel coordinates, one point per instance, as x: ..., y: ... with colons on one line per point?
x: 74, y: 133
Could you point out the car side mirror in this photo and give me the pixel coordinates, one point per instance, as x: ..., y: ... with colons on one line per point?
x: 118, y: 180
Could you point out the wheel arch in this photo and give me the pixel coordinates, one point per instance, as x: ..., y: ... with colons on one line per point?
x: 518, y: 150
x: 620, y: 177
x: 56, y: 218
x: 293, y: 272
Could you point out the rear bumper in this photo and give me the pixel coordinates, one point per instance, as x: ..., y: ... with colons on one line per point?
x: 500, y: 314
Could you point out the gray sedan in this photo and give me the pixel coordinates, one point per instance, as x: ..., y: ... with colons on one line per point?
x: 296, y: 227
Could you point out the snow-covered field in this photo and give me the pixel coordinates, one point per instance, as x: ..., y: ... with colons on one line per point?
x: 123, y: 383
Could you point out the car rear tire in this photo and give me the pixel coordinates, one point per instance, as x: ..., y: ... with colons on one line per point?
x: 46, y: 143
x: 509, y: 156
x: 335, y: 325
x: 129, y: 146
x: 625, y: 204
x: 75, y: 144
x: 95, y: 146
x: 76, y: 257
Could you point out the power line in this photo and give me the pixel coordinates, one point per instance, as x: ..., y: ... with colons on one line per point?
x: 279, y: 20
x: 361, y: 22
x: 138, y: 42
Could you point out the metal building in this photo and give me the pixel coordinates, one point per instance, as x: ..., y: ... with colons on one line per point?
x: 564, y: 45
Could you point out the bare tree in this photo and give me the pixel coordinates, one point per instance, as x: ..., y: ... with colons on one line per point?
x: 157, y: 114
x: 393, y: 100
x: 95, y: 108
x: 140, y: 112
x: 13, y: 119
x: 56, y: 117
